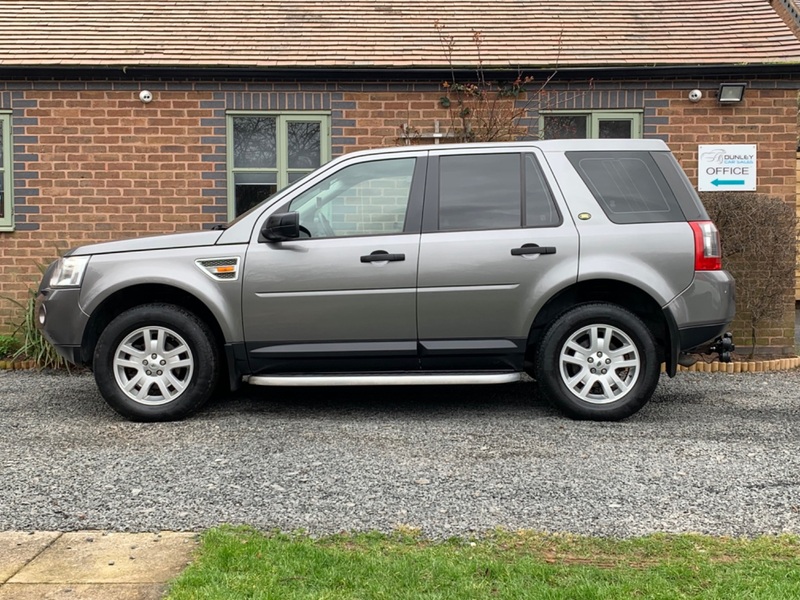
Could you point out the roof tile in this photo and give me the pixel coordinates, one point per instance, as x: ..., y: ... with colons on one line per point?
x: 368, y: 33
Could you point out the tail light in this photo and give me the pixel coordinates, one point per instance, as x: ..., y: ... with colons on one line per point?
x: 707, y: 249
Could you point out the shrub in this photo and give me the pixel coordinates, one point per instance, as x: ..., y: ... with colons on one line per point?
x: 759, y: 242
x: 33, y: 345
x: 8, y: 346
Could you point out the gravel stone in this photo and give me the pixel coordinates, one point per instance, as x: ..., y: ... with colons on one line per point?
x: 711, y: 453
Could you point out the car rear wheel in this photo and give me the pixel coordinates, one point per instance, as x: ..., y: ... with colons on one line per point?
x: 598, y: 361
x: 156, y: 362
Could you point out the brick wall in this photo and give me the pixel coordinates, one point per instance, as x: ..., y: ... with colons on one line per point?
x: 767, y: 117
x: 93, y: 163
x: 797, y: 212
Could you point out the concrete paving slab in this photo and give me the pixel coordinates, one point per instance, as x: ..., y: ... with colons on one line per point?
x: 104, y: 591
x: 18, y: 548
x: 99, y: 557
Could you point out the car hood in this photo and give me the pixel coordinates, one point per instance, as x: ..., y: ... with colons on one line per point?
x: 157, y: 242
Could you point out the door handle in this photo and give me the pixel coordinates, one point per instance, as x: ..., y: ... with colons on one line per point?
x: 533, y: 249
x: 382, y: 256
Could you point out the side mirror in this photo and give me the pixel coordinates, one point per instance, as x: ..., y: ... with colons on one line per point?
x: 280, y: 227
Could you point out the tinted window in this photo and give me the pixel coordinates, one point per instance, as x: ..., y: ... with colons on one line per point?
x: 480, y: 191
x: 540, y: 209
x: 629, y: 186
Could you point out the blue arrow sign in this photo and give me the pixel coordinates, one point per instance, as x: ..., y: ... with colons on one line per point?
x: 719, y: 182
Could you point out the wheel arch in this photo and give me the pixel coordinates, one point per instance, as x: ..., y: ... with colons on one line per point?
x: 623, y: 294
x: 129, y: 297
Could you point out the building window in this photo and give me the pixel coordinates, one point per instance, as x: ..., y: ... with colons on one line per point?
x: 6, y: 187
x: 561, y: 125
x: 268, y: 151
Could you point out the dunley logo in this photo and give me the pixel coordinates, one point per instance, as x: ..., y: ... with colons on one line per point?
x: 716, y: 156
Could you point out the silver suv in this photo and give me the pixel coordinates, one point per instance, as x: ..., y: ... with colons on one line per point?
x: 584, y: 263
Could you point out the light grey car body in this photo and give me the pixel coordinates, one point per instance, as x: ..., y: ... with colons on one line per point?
x: 458, y: 302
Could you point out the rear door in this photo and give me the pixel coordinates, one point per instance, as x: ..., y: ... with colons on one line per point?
x: 496, y: 244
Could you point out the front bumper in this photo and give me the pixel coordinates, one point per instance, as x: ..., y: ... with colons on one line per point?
x: 61, y: 321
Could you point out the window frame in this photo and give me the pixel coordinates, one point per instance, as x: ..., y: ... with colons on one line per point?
x: 7, y: 221
x: 283, y: 118
x: 593, y: 120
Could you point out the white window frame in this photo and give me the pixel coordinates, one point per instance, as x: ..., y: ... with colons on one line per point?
x: 283, y: 118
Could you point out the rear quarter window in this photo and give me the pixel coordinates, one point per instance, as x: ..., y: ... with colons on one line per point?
x: 628, y: 186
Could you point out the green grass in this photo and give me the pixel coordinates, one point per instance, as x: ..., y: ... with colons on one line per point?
x: 243, y: 564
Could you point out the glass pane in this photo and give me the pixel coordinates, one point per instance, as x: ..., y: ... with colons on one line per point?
x: 480, y: 191
x: 629, y: 186
x: 615, y: 129
x: 564, y: 127
x: 254, y: 142
x: 252, y: 188
x: 1, y: 143
x: 363, y: 199
x: 540, y: 210
x: 295, y: 176
x: 304, y: 145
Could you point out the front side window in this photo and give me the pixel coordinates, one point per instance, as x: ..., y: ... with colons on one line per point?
x: 494, y: 191
x: 561, y: 125
x: 267, y: 152
x: 368, y: 198
x: 6, y: 188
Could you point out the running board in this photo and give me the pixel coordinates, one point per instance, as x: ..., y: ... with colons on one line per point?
x: 383, y: 379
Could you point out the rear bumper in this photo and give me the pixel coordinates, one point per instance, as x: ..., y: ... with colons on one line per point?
x: 699, y: 338
x: 700, y: 314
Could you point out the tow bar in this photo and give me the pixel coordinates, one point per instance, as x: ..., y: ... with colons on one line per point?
x: 723, y: 346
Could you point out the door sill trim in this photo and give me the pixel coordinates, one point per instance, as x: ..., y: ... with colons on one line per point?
x: 383, y: 379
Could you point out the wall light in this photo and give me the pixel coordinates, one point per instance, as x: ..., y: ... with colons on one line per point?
x: 731, y: 92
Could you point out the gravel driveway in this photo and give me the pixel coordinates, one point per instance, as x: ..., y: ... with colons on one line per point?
x: 711, y: 453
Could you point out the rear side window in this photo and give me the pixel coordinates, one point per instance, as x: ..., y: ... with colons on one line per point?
x: 494, y: 191
x: 628, y: 186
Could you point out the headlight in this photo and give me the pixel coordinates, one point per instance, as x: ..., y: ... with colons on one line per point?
x: 69, y: 271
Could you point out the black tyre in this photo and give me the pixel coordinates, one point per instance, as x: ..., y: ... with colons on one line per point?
x: 598, y: 361
x: 156, y: 362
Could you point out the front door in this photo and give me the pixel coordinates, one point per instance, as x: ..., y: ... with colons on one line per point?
x: 343, y: 297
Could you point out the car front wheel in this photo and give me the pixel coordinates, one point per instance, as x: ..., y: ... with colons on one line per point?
x: 598, y: 361
x: 156, y: 362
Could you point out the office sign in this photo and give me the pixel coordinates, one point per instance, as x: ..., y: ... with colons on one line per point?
x: 726, y: 167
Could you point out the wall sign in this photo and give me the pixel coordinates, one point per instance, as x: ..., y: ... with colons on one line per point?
x: 726, y: 167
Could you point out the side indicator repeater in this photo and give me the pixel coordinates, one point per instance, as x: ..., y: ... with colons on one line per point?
x: 220, y: 269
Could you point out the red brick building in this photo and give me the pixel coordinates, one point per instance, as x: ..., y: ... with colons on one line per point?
x: 248, y: 95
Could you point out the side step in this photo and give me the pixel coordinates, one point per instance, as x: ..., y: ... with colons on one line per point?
x: 383, y: 379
